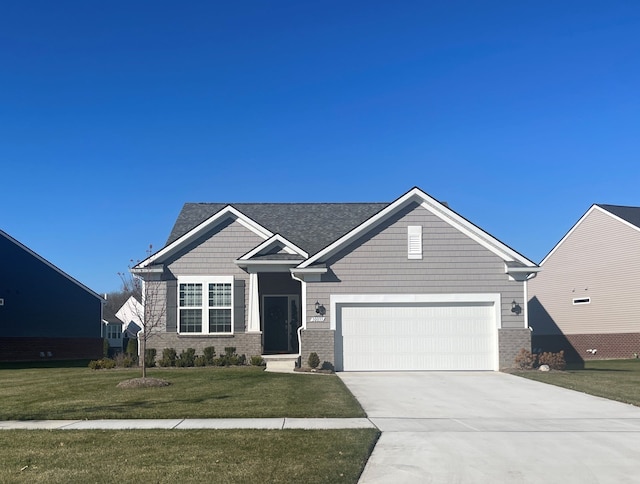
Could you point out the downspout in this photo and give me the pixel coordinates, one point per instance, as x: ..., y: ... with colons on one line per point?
x: 303, y: 307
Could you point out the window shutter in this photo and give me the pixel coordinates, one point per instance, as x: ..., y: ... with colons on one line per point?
x: 414, y: 241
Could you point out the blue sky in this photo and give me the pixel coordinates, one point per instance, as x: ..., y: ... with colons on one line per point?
x: 113, y: 114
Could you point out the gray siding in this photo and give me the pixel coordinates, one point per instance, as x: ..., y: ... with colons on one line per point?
x: 600, y: 259
x: 213, y: 255
x: 451, y: 263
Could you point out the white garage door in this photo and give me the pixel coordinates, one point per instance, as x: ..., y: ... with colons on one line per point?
x: 447, y: 336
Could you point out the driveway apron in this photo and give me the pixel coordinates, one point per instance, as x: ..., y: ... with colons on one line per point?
x: 489, y: 427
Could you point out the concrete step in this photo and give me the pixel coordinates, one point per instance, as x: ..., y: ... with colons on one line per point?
x: 280, y: 363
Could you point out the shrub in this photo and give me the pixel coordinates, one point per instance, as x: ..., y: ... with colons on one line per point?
x: 124, y: 360
x: 150, y: 357
x: 187, y: 358
x: 168, y: 357
x: 105, y: 347
x: 554, y: 360
x: 200, y: 361
x: 209, y: 354
x: 132, y: 347
x: 257, y: 360
x: 327, y: 365
x: 314, y: 360
x: 104, y: 363
x: 525, y: 360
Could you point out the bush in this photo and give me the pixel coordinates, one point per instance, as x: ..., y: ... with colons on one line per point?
x: 169, y: 357
x: 200, y: 361
x: 257, y: 360
x: 554, y: 360
x: 326, y: 365
x: 132, y: 347
x: 209, y: 354
x: 525, y: 360
x: 187, y: 358
x: 124, y: 361
x: 105, y: 347
x: 314, y: 360
x: 102, y: 364
x: 150, y: 357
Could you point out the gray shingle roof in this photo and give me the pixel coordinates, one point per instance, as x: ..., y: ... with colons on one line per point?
x: 630, y: 214
x: 310, y: 226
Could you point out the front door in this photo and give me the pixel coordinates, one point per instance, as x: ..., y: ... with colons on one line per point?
x: 280, y: 323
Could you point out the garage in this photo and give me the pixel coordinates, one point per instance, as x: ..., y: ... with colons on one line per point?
x: 379, y: 333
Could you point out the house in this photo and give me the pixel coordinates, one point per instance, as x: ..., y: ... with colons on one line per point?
x: 584, y: 301
x: 406, y: 285
x: 44, y: 312
x: 119, y: 327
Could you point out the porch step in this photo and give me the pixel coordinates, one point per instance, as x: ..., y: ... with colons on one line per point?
x: 280, y: 363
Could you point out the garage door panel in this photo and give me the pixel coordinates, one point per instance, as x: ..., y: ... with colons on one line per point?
x: 418, y: 337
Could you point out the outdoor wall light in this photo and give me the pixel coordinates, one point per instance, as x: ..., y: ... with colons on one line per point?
x: 320, y: 309
x: 515, y: 308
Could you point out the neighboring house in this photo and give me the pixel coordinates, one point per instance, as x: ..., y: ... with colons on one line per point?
x: 585, y: 301
x: 44, y: 312
x: 118, y: 328
x: 407, y: 285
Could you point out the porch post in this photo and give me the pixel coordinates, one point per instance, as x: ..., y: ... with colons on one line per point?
x: 254, y: 305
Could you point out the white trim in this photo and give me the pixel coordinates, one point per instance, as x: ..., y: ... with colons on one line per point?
x: 439, y: 210
x: 254, y: 304
x: 288, y: 247
x: 414, y: 242
x: 50, y: 265
x: 205, y: 281
x: 581, y: 301
x: 215, y: 219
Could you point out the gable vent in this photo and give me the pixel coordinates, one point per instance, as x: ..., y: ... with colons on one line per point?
x: 414, y: 241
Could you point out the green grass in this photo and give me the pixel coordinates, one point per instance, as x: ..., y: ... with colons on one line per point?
x: 81, y: 393
x: 159, y: 456
x: 613, y: 379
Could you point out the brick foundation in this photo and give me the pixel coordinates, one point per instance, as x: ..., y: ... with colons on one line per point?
x: 248, y: 344
x: 575, y: 346
x: 38, y: 349
x: 510, y: 342
x: 320, y: 341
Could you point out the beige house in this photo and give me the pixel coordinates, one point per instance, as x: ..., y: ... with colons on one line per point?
x: 585, y: 300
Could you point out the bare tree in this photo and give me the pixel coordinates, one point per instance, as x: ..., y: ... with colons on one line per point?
x: 150, y: 292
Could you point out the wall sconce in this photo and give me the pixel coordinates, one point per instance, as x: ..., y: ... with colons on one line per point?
x: 515, y: 308
x: 320, y: 309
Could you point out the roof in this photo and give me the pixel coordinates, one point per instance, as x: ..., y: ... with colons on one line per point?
x: 49, y: 264
x: 628, y: 214
x: 311, y: 226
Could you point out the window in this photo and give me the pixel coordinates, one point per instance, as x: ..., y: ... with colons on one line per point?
x: 581, y: 300
x: 205, y: 305
x: 414, y: 242
x: 114, y: 331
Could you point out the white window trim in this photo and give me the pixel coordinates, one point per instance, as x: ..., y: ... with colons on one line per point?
x: 205, y: 281
x: 581, y: 301
x: 414, y: 242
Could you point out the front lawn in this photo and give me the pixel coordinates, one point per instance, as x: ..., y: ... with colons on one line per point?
x: 210, y: 392
x: 169, y: 456
x: 613, y: 379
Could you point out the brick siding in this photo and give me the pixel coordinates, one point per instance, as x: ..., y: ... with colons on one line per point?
x: 510, y: 342
x: 575, y: 346
x: 320, y: 341
x: 245, y: 344
x: 36, y: 349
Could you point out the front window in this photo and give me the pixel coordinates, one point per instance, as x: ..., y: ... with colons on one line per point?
x: 114, y: 331
x: 212, y: 314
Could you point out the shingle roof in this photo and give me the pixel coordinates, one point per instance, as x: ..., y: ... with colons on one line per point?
x: 630, y: 214
x: 311, y: 226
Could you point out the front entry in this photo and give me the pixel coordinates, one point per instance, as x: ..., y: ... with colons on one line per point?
x: 280, y: 323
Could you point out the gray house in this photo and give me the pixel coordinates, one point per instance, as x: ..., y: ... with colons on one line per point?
x: 44, y: 312
x: 406, y: 285
x: 585, y: 300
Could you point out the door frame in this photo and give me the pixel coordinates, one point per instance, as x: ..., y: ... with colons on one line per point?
x: 290, y: 297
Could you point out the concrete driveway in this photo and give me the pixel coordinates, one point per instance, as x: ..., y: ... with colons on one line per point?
x: 488, y: 427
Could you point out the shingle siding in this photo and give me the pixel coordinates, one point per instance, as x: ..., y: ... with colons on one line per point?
x: 377, y: 263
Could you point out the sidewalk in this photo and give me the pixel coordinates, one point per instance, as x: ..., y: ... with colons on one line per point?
x: 192, y: 423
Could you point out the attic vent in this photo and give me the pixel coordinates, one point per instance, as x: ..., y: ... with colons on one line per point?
x: 414, y: 241
x: 581, y: 300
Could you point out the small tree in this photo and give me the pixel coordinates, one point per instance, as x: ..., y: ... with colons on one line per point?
x: 149, y: 291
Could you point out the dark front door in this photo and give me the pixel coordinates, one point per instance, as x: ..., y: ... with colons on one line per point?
x: 276, y: 323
